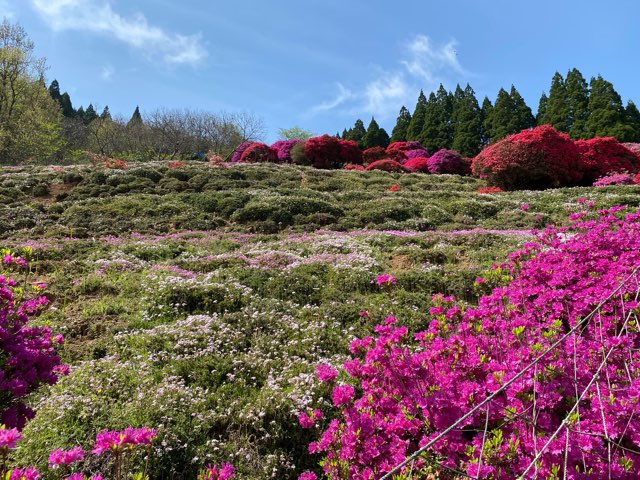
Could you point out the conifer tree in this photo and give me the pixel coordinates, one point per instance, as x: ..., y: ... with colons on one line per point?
x: 486, y: 112
x: 105, y: 115
x: 633, y: 121
x: 606, y: 113
x: 67, y: 108
x: 578, y: 101
x: 357, y: 133
x: 445, y: 100
x: 523, y: 116
x: 136, y: 118
x: 557, y: 111
x: 467, y: 122
x: 400, y: 131
x: 375, y: 136
x: 345, y: 134
x: 434, y: 135
x: 417, y: 119
x: 90, y: 114
x: 54, y: 90
x: 542, y: 108
x: 510, y: 115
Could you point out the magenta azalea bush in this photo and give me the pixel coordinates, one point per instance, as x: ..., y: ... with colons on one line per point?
x: 407, y: 388
x: 28, y: 353
x: 446, y: 161
x: 614, y: 179
x: 283, y: 150
x: 237, y: 153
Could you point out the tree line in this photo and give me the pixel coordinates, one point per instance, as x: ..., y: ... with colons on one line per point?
x: 39, y: 123
x: 455, y: 120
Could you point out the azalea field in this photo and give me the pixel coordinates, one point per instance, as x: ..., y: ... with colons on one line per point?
x: 253, y: 321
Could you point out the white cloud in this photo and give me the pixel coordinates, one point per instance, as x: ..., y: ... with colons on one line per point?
x: 107, y: 72
x: 382, y: 95
x: 423, y: 65
x: 98, y: 16
x: 342, y: 96
x: 429, y: 62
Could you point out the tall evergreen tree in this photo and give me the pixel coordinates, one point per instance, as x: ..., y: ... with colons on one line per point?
x: 606, y: 113
x: 54, y: 90
x: 136, y: 118
x: 357, y: 133
x: 105, y: 115
x: 345, y: 134
x: 501, y: 115
x: 400, y: 131
x: 417, y: 119
x: 578, y: 101
x: 542, y: 108
x: 557, y: 111
x: 446, y: 100
x: 67, y: 108
x: 510, y: 115
x: 633, y: 121
x: 375, y: 136
x: 434, y: 135
x: 467, y: 122
x: 523, y: 116
x: 486, y: 112
x: 90, y: 114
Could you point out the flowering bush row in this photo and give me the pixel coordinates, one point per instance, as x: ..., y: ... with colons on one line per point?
x: 124, y: 448
x: 406, y: 388
x: 28, y: 353
x: 532, y: 159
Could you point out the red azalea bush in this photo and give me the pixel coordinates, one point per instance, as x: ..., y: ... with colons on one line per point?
x: 350, y: 152
x: 411, y: 387
x: 283, y: 150
x: 446, y: 161
x: 387, y: 165
x: 373, y: 154
x: 28, y: 353
x: 614, y: 179
x: 397, y: 150
x: 532, y: 159
x: 259, y: 153
x: 115, y: 164
x: 350, y: 166
x: 417, y: 165
x: 323, y: 152
x: 488, y: 190
x: 604, y: 155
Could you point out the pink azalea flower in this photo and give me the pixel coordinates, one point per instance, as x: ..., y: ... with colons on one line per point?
x: 386, y: 280
x: 342, y: 394
x: 9, y: 438
x: 62, y: 457
x: 326, y: 373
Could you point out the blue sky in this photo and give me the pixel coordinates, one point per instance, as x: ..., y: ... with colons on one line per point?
x: 322, y: 64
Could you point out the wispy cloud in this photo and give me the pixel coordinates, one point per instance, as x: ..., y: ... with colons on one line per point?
x: 422, y: 65
x: 429, y: 62
x: 98, y: 16
x: 107, y: 72
x: 341, y: 97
